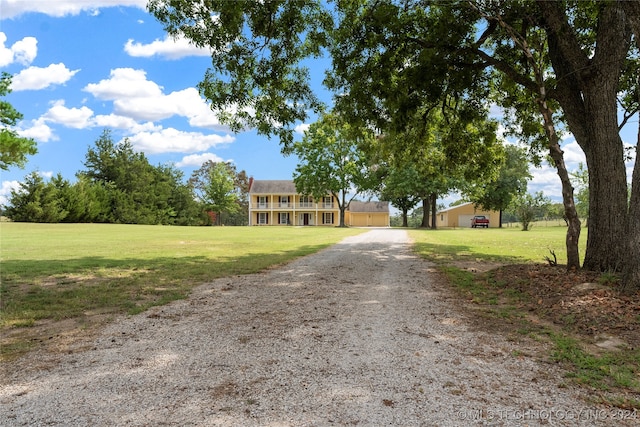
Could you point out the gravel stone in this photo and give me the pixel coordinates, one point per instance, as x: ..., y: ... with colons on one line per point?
x: 358, y: 334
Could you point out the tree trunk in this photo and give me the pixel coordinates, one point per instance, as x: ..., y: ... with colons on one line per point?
x: 343, y: 207
x: 425, y: 213
x: 405, y: 222
x: 608, y: 196
x: 554, y: 16
x: 500, y: 220
x: 631, y: 277
x: 573, y: 221
x: 587, y: 91
x: 434, y: 199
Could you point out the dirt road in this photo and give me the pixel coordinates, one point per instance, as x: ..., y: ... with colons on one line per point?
x: 358, y: 334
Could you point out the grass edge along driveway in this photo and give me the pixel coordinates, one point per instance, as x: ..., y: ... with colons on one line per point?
x: 67, y: 276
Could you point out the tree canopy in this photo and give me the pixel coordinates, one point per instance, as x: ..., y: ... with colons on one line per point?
x: 332, y: 161
x: 394, y: 58
x: 216, y: 185
x: 510, y: 183
x: 14, y: 149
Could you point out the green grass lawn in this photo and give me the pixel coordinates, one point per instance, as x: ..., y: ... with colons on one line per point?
x: 61, y: 271
x: 506, y: 245
x: 616, y: 371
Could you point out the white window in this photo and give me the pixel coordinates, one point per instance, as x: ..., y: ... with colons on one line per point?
x: 327, y: 218
x: 306, y: 202
x: 284, y: 201
x: 263, y: 218
x: 328, y: 201
x: 284, y: 218
x: 262, y: 202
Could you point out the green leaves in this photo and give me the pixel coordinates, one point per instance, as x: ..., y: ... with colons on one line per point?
x: 13, y: 148
x: 257, y: 78
x: 215, y: 185
x: 332, y: 161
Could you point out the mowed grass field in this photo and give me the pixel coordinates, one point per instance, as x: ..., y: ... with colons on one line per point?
x: 54, y: 272
x: 502, y: 245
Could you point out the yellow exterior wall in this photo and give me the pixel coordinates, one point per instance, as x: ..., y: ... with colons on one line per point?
x: 367, y: 219
x: 278, y: 204
x: 452, y: 217
x: 274, y: 207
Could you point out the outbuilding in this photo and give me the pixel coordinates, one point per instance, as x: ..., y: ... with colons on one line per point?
x: 460, y: 216
x: 367, y: 214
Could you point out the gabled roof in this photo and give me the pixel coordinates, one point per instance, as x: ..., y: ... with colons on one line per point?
x: 371, y: 207
x: 276, y: 186
x: 450, y: 208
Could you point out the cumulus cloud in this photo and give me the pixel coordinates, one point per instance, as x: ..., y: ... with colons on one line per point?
x: 38, y: 130
x: 59, y: 8
x: 573, y: 154
x: 197, y: 160
x: 5, y: 191
x: 169, y: 48
x: 545, y: 179
x: 124, y: 83
x: 23, y: 51
x: 35, y: 78
x: 78, y: 118
x: 176, y: 141
x: 302, y: 128
x: 115, y: 121
x: 140, y: 99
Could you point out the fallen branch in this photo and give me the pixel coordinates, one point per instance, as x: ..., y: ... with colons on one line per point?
x: 553, y: 262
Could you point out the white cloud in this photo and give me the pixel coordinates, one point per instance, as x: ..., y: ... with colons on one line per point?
x: 38, y: 130
x: 545, y: 179
x: 197, y: 160
x: 78, y: 118
x: 145, y: 108
x: 5, y: 191
x: 23, y: 51
x: 573, y: 154
x: 169, y: 48
x: 35, y: 78
x: 124, y: 83
x: 115, y: 121
x: 302, y: 128
x: 59, y: 8
x: 138, y: 98
x: 176, y: 141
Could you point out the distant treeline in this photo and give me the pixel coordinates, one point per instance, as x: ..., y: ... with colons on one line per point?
x: 119, y: 186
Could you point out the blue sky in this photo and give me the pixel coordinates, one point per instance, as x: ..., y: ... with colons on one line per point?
x: 80, y: 66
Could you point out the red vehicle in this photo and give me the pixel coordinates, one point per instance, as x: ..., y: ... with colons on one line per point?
x: 479, y: 221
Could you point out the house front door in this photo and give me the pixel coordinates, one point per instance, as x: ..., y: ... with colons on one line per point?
x: 305, y: 219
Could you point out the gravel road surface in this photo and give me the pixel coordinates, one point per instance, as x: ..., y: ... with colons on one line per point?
x: 357, y: 334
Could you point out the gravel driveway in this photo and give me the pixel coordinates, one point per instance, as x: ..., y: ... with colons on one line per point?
x: 357, y: 334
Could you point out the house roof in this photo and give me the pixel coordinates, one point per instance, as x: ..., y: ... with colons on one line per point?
x: 372, y: 207
x: 283, y: 186
x: 450, y: 208
x: 276, y: 186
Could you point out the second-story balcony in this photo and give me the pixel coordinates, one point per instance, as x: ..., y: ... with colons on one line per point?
x: 292, y: 206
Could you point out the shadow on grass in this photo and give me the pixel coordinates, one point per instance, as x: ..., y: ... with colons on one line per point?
x: 34, y: 290
x: 444, y: 253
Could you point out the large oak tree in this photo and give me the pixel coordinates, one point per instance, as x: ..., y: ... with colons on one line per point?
x: 393, y: 57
